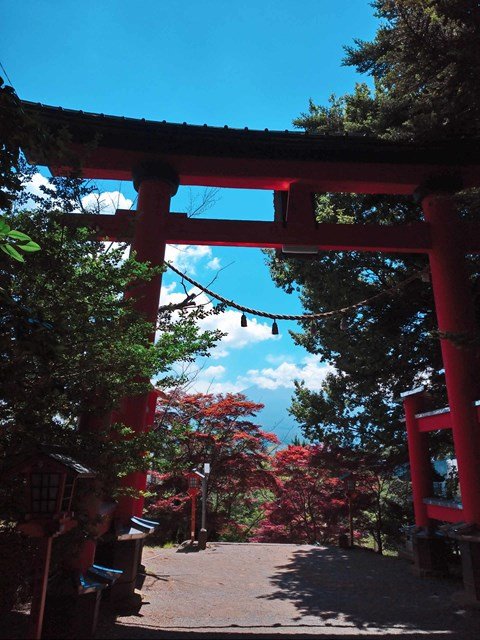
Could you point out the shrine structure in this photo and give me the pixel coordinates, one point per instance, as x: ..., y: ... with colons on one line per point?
x: 158, y: 156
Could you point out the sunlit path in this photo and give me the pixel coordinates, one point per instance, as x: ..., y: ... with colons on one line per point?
x: 250, y: 590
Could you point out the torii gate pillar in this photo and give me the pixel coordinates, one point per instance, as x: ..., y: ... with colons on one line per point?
x: 455, y: 315
x: 156, y: 183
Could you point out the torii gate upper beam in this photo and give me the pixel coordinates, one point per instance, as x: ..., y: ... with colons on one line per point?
x: 223, y: 157
x: 296, y: 164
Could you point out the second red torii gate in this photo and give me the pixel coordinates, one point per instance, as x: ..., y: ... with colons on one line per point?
x: 162, y: 155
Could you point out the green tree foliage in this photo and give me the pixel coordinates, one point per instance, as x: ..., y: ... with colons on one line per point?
x: 14, y: 243
x: 218, y: 429
x: 17, y: 131
x: 379, y: 350
x: 424, y: 60
x: 381, y: 503
x: 423, y: 63
x: 70, y: 342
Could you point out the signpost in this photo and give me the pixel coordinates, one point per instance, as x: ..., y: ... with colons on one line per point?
x: 195, y: 480
x: 193, y: 491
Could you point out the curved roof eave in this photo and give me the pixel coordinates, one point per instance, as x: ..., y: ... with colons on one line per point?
x: 216, y: 156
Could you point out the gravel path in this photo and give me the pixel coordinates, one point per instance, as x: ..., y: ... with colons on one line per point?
x: 277, y: 591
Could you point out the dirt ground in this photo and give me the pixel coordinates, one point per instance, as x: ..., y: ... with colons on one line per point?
x: 267, y: 591
x: 276, y: 591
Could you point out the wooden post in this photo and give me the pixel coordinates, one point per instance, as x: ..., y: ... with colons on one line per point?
x: 156, y: 184
x: 40, y: 582
x: 350, y: 519
x: 457, y: 326
x: 418, y: 453
x: 192, y: 519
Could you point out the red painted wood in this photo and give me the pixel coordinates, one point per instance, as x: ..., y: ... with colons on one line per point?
x: 455, y: 314
x: 149, y: 246
x: 471, y: 236
x: 85, y: 557
x: 412, y: 238
x: 300, y: 213
x: 422, y: 485
x: 448, y: 514
x: 192, y: 516
x: 179, y: 229
x: 151, y: 407
x: 213, y: 156
x: 433, y: 423
x: 270, y: 173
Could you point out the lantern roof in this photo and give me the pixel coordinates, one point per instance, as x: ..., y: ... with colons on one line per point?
x: 77, y: 467
x: 24, y: 461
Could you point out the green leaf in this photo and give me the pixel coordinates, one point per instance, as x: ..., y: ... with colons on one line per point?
x: 30, y: 247
x: 4, y: 227
x: 18, y: 235
x: 12, y: 252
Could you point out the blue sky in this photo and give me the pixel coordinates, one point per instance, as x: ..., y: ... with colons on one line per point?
x: 252, y: 64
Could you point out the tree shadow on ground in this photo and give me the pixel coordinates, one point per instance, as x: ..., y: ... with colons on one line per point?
x: 359, y: 588
x: 14, y: 624
x: 338, y: 595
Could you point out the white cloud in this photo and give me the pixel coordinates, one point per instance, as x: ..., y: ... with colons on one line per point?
x: 34, y: 187
x: 203, y: 385
x: 207, y: 381
x: 214, y: 371
x: 169, y: 295
x: 187, y: 257
x: 228, y: 322
x: 239, y: 337
x: 168, y: 290
x: 214, y: 264
x: 218, y: 353
x: 311, y: 370
x: 106, y: 202
x: 278, y: 358
x: 37, y: 181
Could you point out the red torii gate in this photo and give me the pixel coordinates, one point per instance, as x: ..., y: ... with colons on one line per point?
x: 160, y: 156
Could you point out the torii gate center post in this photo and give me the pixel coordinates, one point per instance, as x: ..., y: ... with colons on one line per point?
x: 160, y: 156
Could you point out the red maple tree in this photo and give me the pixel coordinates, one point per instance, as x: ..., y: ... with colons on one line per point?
x: 217, y: 429
x: 310, y: 502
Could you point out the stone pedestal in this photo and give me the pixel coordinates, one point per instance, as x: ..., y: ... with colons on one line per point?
x: 202, y: 539
x: 470, y: 552
x: 127, y: 556
x: 430, y: 554
x: 85, y: 616
x: 343, y: 541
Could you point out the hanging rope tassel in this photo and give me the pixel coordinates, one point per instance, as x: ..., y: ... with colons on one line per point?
x: 304, y: 316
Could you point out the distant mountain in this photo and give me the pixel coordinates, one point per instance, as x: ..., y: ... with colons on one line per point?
x: 275, y: 417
